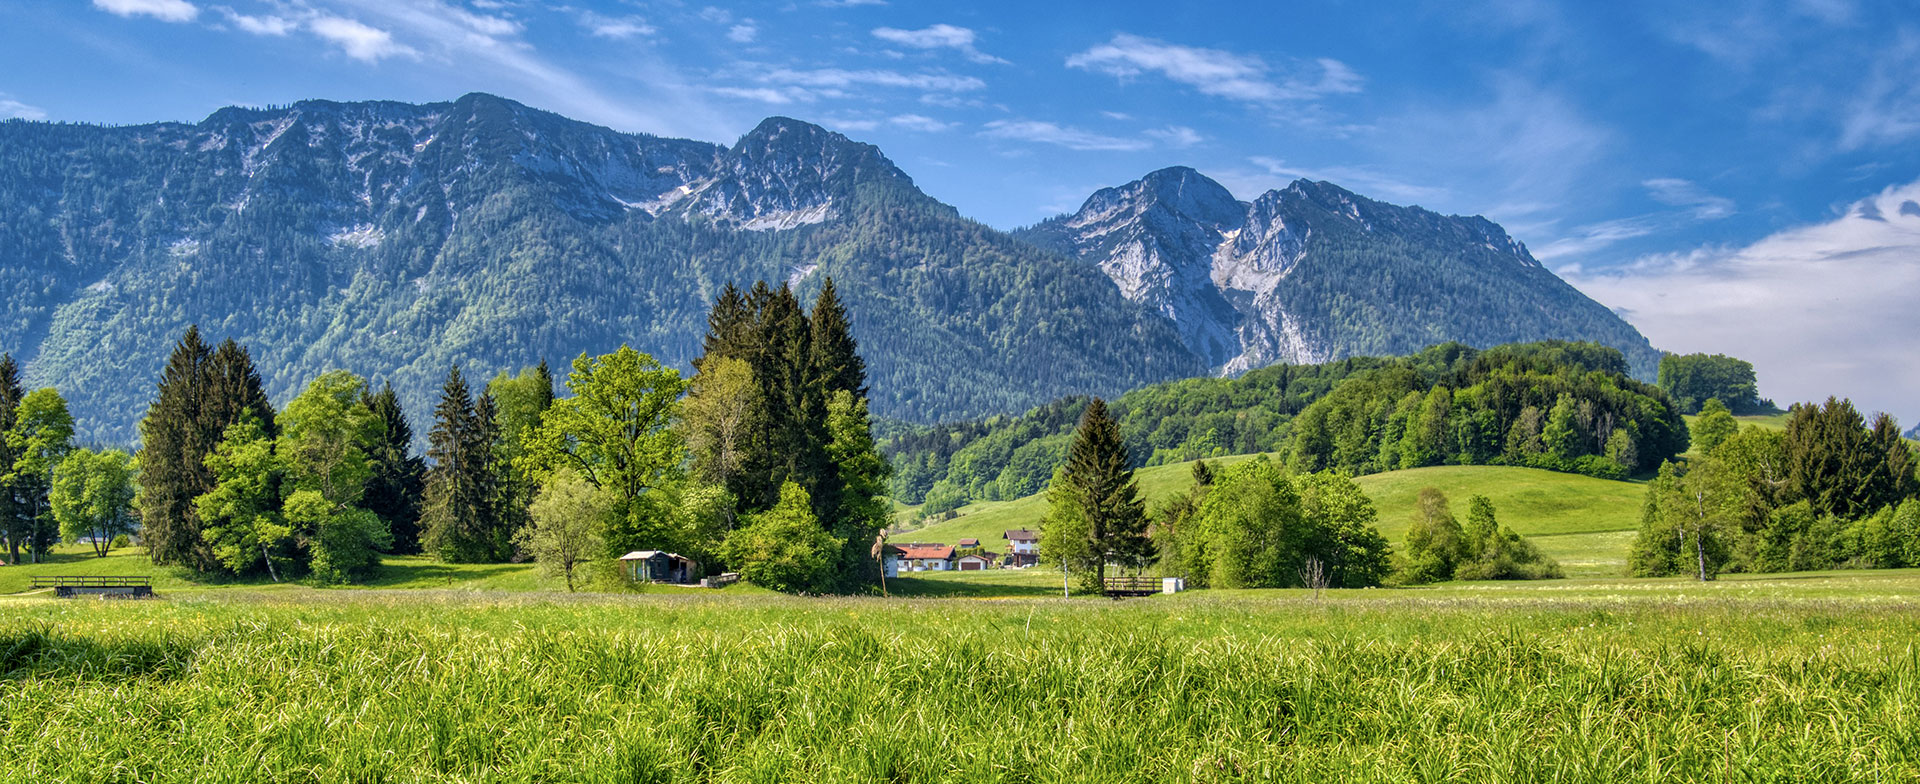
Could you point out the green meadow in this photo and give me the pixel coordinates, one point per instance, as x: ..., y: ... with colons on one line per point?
x: 1797, y: 678
x: 1584, y: 523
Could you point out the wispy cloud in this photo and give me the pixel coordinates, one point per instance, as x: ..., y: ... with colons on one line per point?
x: 939, y: 36
x: 14, y: 110
x: 266, y: 24
x: 1216, y: 72
x: 918, y: 122
x: 1061, y: 136
x: 1775, y: 303
x: 1683, y: 193
x: 842, y: 78
x: 847, y: 3
x: 1176, y: 136
x: 164, y: 10
x: 743, y: 33
x: 1886, y: 110
x: 615, y: 27
x: 358, y: 40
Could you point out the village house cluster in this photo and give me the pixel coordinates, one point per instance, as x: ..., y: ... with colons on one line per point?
x: 1022, y: 550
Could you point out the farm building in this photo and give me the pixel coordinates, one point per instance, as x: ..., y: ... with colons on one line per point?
x: 973, y: 562
x: 1023, y: 548
x: 967, y: 544
x: 655, y: 566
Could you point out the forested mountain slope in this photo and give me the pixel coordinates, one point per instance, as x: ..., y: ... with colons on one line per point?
x: 395, y: 239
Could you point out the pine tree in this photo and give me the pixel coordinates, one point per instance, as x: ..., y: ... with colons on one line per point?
x: 1102, y: 484
x: 234, y: 390
x: 399, y: 477
x: 728, y: 325
x: 836, y: 356
x: 496, y: 528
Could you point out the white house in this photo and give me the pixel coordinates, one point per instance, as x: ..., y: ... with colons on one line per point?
x: 918, y: 557
x: 1023, y: 548
x: 973, y: 562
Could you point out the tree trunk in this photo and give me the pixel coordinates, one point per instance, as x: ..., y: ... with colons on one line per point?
x: 269, y: 559
x: 1700, y: 549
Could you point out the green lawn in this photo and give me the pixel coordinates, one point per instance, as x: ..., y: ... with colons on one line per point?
x: 1584, y: 523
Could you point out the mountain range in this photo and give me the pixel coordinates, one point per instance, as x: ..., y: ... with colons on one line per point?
x: 398, y: 239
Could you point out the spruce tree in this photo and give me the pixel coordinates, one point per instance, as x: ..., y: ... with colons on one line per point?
x: 234, y: 390
x: 1101, y: 481
x: 728, y: 325
x: 836, y: 357
x: 172, y: 469
x: 399, y: 477
x: 495, y: 526
x: 458, y: 492
x: 10, y: 509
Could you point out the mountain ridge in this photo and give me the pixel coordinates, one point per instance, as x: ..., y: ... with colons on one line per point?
x: 398, y: 239
x: 1257, y: 282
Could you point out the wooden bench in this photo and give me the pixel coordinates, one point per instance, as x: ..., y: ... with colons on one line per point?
x: 1120, y: 587
x: 105, y: 587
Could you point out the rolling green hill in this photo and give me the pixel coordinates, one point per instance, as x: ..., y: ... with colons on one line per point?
x: 1583, y: 522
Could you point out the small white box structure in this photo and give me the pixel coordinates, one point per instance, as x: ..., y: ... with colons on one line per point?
x: 1173, y: 584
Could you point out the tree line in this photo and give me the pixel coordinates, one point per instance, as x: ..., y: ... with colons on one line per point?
x: 1257, y: 525
x: 763, y: 461
x: 1831, y: 490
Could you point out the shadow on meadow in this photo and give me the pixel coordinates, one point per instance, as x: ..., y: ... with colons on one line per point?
x: 38, y: 651
x: 417, y: 573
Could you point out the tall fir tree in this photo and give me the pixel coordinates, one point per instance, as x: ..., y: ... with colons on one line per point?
x: 457, y: 518
x: 728, y: 325
x: 836, y: 356
x: 1100, y: 478
x: 234, y: 390
x: 172, y: 468
x: 399, y: 477
x: 10, y: 395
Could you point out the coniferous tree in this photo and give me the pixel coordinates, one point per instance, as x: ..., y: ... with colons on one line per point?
x: 459, y: 495
x: 399, y: 477
x: 234, y: 390
x: 836, y: 357
x: 10, y: 395
x: 172, y: 468
x: 1830, y: 462
x: 1101, y: 485
x: 728, y: 326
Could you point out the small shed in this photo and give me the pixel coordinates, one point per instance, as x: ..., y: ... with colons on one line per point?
x: 965, y: 544
x: 659, y: 566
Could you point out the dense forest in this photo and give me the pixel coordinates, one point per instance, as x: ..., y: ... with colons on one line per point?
x: 763, y: 463
x: 1449, y: 404
x: 1830, y: 491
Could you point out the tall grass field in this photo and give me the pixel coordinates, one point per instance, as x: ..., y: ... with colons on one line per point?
x: 1774, y: 679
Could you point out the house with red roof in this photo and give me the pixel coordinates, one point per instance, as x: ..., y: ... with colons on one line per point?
x: 917, y: 557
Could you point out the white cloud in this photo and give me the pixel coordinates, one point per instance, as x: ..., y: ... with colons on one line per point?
x: 940, y: 36
x: 360, y: 41
x: 836, y: 77
x: 615, y: 27
x: 918, y: 122
x: 1595, y: 236
x: 1177, y: 136
x: 14, y: 110
x: 164, y: 10
x: 1825, y: 309
x: 716, y: 15
x: 848, y: 3
x: 743, y: 33
x: 1215, y: 72
x: 1121, y: 116
x: 1682, y: 193
x: 1061, y: 136
x: 260, y: 25
x: 766, y: 94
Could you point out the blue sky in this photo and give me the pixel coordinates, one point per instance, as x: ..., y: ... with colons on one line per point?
x: 1732, y: 176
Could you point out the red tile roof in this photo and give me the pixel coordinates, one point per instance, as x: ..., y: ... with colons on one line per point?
x: 936, y: 552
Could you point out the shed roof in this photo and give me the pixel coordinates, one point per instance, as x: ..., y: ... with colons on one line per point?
x: 968, y: 543
x: 1021, y: 535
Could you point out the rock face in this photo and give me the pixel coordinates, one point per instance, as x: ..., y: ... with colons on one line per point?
x: 1313, y: 272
